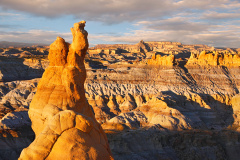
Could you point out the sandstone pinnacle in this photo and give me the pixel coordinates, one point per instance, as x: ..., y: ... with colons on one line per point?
x: 63, y: 121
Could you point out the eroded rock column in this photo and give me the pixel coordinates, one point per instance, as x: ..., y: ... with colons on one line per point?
x: 63, y: 122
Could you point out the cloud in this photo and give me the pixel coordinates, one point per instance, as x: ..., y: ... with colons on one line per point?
x: 176, y: 23
x: 224, y: 39
x: 218, y: 37
x: 220, y: 16
x: 34, y: 36
x: 100, y: 10
x: 204, y: 4
x: 44, y: 37
x: 113, y: 11
x: 8, y: 14
x: 212, y: 22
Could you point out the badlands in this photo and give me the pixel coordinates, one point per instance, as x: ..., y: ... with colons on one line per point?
x: 153, y: 100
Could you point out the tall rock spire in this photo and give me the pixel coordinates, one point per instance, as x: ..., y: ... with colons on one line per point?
x: 63, y: 122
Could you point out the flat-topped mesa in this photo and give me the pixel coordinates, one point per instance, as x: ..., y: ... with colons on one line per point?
x: 214, y: 58
x: 157, y: 59
x: 63, y: 121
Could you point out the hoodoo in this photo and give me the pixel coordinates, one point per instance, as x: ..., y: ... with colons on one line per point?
x: 63, y: 121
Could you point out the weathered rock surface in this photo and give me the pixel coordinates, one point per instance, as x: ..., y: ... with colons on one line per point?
x: 215, y: 59
x: 155, y: 111
x: 165, y: 60
x: 12, y: 68
x: 61, y: 117
x: 236, y: 112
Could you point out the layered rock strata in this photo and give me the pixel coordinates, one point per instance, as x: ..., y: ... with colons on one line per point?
x: 62, y: 120
x: 157, y: 59
x: 214, y: 58
x: 149, y: 111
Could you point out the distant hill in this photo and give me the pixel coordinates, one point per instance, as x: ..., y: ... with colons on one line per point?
x: 6, y: 44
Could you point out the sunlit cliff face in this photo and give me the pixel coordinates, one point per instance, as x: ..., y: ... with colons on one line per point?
x: 61, y: 117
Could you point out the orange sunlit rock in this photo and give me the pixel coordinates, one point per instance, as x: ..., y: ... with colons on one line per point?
x: 63, y: 122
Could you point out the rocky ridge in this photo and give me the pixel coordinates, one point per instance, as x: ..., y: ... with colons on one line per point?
x: 215, y: 58
x: 132, y: 99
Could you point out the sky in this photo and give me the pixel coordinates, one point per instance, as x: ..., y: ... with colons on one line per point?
x: 211, y: 22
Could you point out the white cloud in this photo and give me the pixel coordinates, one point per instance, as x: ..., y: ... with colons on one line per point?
x: 176, y: 23
x: 220, y: 37
x: 34, y: 36
x: 8, y: 14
